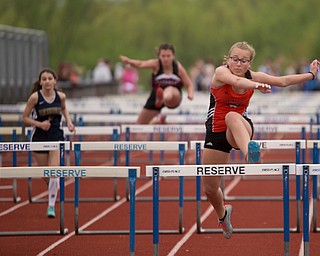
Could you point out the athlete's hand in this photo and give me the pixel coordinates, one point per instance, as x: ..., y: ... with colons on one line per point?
x: 124, y: 59
x: 264, y: 88
x: 45, y: 125
x: 314, y: 67
x: 71, y: 128
x: 190, y: 96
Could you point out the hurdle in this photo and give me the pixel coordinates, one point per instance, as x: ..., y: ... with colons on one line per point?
x: 298, y: 145
x: 38, y: 172
x: 44, y: 146
x: 107, y: 172
x: 314, y: 145
x: 221, y: 170
x: 14, y: 131
x: 78, y: 147
x: 161, y: 129
x: 287, y: 128
x: 306, y: 170
x: 114, y: 131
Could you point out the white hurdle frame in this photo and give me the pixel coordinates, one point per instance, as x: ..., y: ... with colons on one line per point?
x: 78, y: 147
x: 14, y: 131
x: 38, y: 146
x: 223, y: 170
x: 162, y: 129
x: 264, y: 144
x: 88, y: 130
x: 36, y: 172
x: 76, y: 172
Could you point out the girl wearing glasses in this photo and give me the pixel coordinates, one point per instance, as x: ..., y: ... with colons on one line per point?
x: 227, y: 124
x: 168, y: 78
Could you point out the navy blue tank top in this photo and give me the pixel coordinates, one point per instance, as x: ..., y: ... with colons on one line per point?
x: 51, y: 111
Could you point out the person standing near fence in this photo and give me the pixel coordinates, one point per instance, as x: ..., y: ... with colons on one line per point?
x: 227, y: 124
x: 43, y: 111
x: 168, y: 78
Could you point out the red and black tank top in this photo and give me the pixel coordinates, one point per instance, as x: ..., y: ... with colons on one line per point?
x: 164, y: 80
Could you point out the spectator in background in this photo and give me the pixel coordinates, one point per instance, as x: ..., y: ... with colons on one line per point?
x: 201, y: 73
x: 102, y: 72
x: 129, y: 79
x: 118, y: 69
x: 68, y: 74
x: 196, y: 74
x: 208, y: 72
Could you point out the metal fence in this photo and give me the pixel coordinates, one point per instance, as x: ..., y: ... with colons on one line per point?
x: 23, y: 53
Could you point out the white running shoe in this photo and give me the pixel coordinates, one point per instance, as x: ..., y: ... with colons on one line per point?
x: 226, y: 223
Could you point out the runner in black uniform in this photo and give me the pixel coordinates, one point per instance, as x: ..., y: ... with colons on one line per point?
x: 46, y: 106
x: 168, y: 78
x: 51, y: 111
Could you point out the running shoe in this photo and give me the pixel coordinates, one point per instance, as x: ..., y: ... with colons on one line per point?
x: 50, y: 212
x: 253, y: 153
x: 226, y: 223
x: 159, y: 97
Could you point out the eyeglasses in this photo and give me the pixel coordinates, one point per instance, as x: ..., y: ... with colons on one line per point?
x: 236, y: 60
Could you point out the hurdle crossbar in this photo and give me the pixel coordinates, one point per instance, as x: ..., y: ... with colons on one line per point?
x: 223, y: 170
x: 288, y: 128
x: 39, y: 172
x: 88, y: 130
x: 264, y: 144
x: 139, y: 146
x: 108, y: 172
x: 14, y: 131
x: 162, y: 129
x: 39, y: 146
x: 9, y: 130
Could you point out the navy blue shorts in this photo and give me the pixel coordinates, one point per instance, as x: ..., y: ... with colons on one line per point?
x: 53, y: 134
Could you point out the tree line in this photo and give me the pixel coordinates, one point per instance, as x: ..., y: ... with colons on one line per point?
x: 82, y: 31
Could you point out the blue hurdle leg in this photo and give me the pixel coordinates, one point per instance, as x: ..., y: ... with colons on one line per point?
x: 132, y: 179
x: 155, y: 178
x: 286, y: 212
x: 315, y: 188
x: 198, y: 188
x: 306, y: 209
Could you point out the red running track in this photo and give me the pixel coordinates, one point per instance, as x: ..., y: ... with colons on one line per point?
x: 115, y: 215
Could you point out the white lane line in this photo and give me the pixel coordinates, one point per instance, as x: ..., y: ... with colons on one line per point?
x: 98, y: 217
x: 193, y: 229
x: 301, y: 251
x: 24, y: 203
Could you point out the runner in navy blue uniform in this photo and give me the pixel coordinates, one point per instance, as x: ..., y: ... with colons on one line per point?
x: 44, y: 111
x: 168, y: 79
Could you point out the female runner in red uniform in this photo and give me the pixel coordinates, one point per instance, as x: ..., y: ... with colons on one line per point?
x: 227, y: 124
